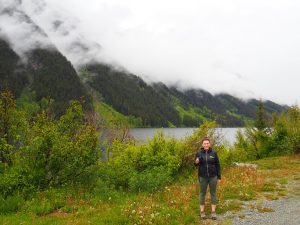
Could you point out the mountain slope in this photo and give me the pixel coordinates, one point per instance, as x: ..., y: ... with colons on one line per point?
x: 130, y: 95
x: 47, y: 73
x: 160, y: 105
x: 29, y: 60
x: 11, y: 72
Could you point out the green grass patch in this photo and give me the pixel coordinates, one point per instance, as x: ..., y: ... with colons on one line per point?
x: 268, y: 187
x: 110, y: 117
x: 177, y: 203
x: 230, y: 205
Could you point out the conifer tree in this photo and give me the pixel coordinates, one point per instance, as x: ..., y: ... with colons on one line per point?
x: 260, y: 122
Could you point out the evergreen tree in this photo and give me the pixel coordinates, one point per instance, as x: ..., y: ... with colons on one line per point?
x: 260, y: 122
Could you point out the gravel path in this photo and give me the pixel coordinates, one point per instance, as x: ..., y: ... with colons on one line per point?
x: 285, y: 211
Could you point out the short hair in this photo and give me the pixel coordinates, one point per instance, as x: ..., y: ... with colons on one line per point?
x: 205, y: 139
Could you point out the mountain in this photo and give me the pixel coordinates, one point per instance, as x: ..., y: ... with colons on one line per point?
x: 12, y: 73
x: 159, y: 105
x: 130, y: 95
x: 38, y: 66
x: 47, y: 73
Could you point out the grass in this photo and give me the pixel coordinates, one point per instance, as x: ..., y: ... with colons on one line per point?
x: 110, y: 116
x: 174, y: 204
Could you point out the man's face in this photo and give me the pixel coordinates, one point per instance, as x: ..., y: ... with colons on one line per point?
x: 206, y: 144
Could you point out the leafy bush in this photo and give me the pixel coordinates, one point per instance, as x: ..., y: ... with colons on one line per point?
x: 64, y: 151
x: 131, y: 164
x: 149, y: 180
x: 39, y: 152
x: 279, y: 143
x: 10, y: 204
x: 16, y: 180
x: 115, y: 175
x: 282, y: 139
x: 192, y: 144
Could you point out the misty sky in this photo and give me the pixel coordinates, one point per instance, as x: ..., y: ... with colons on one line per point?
x: 248, y: 48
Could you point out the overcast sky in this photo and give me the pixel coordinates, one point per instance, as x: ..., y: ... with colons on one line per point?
x: 248, y: 48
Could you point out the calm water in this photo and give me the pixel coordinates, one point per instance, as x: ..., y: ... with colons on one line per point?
x: 142, y: 134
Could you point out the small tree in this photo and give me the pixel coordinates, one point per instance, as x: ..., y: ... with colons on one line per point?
x: 7, y: 109
x: 63, y: 151
x: 261, y: 122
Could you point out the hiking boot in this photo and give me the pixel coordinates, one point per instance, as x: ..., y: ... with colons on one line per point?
x: 202, y: 215
x: 213, y: 216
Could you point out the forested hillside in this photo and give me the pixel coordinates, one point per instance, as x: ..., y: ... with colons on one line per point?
x: 159, y: 105
x: 130, y: 95
x: 118, y: 96
x: 11, y: 72
x: 46, y: 73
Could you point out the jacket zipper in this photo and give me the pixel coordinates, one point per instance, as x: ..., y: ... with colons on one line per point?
x: 207, y: 165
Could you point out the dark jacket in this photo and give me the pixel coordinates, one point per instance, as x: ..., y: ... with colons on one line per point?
x: 209, y: 164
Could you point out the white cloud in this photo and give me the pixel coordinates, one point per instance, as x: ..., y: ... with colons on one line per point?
x: 248, y: 48
x: 19, y: 30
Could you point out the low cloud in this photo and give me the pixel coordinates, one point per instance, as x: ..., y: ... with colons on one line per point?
x: 246, y: 48
x: 31, y: 24
x: 19, y: 30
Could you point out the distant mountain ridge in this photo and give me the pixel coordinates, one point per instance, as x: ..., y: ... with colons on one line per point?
x: 159, y: 105
x: 48, y: 73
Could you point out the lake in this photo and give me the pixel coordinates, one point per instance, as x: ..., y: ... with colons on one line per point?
x: 142, y: 134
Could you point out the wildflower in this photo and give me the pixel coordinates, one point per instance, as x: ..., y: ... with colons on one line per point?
x: 133, y: 211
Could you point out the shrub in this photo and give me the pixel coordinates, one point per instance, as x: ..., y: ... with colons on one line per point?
x: 10, y: 204
x: 131, y: 164
x: 192, y: 144
x: 149, y: 180
x: 16, y: 179
x: 63, y: 152
x: 279, y: 143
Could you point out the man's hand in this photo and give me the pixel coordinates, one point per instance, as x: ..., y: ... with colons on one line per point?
x: 197, y: 160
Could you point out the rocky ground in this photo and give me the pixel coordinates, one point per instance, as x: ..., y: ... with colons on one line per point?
x: 281, y: 210
x: 285, y: 210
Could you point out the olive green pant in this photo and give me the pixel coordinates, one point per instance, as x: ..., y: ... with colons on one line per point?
x: 212, y: 183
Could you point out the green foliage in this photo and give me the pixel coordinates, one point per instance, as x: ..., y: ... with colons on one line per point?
x: 282, y: 139
x: 14, y: 128
x: 109, y: 117
x: 11, y: 204
x: 193, y: 143
x: 39, y: 152
x: 7, y: 134
x: 279, y: 143
x: 47, y: 201
x: 150, y: 179
x: 63, y: 150
x: 260, y: 122
x: 28, y: 104
x: 293, y: 125
x: 161, y: 151
x: 16, y: 179
x: 136, y: 166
